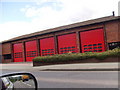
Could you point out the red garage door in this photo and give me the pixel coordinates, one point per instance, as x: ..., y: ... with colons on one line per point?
x: 18, y: 52
x: 67, y: 43
x: 31, y: 50
x: 92, y: 41
x: 47, y: 46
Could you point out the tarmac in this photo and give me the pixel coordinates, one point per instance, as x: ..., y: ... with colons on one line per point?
x: 111, y: 66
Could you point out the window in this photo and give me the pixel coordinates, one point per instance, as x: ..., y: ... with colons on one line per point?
x: 90, y: 45
x: 94, y: 44
x: 100, y: 50
x: 99, y: 47
x: 85, y: 45
x: 73, y: 47
x: 48, y: 52
x: 90, y: 48
x: 67, y: 49
x: 114, y: 45
x: 31, y: 53
x: 95, y: 50
x: 85, y: 48
x: 90, y: 51
x: 99, y: 43
x: 7, y: 56
x: 93, y: 47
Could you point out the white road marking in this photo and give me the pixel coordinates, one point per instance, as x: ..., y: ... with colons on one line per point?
x: 27, y: 84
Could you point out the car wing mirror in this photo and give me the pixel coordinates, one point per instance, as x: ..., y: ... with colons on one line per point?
x: 18, y: 81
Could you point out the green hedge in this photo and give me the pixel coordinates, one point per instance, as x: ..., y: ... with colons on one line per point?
x: 77, y: 56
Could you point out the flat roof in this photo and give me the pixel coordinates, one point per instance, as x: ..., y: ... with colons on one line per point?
x: 79, y: 24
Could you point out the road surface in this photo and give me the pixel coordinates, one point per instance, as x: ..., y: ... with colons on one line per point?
x: 27, y: 84
x: 74, y: 79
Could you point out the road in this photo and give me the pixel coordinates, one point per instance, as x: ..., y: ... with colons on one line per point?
x: 27, y: 84
x: 74, y: 79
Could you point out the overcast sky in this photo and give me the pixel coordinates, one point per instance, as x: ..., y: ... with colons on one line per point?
x: 19, y: 17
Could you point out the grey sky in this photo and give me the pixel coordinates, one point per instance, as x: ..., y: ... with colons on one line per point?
x: 28, y: 16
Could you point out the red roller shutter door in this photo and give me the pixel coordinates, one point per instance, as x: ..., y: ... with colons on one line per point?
x: 18, y: 52
x: 67, y: 43
x: 47, y: 46
x: 31, y: 50
x: 92, y: 41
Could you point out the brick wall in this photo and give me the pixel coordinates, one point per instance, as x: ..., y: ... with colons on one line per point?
x: 112, y: 31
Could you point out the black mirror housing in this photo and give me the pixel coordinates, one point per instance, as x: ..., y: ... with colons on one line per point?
x: 22, y: 80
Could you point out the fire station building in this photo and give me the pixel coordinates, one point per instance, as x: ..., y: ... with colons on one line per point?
x: 97, y: 35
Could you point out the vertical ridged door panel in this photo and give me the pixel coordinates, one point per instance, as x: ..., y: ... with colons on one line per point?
x: 67, y: 43
x: 92, y: 41
x: 47, y: 46
x: 31, y: 50
x: 18, y: 52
